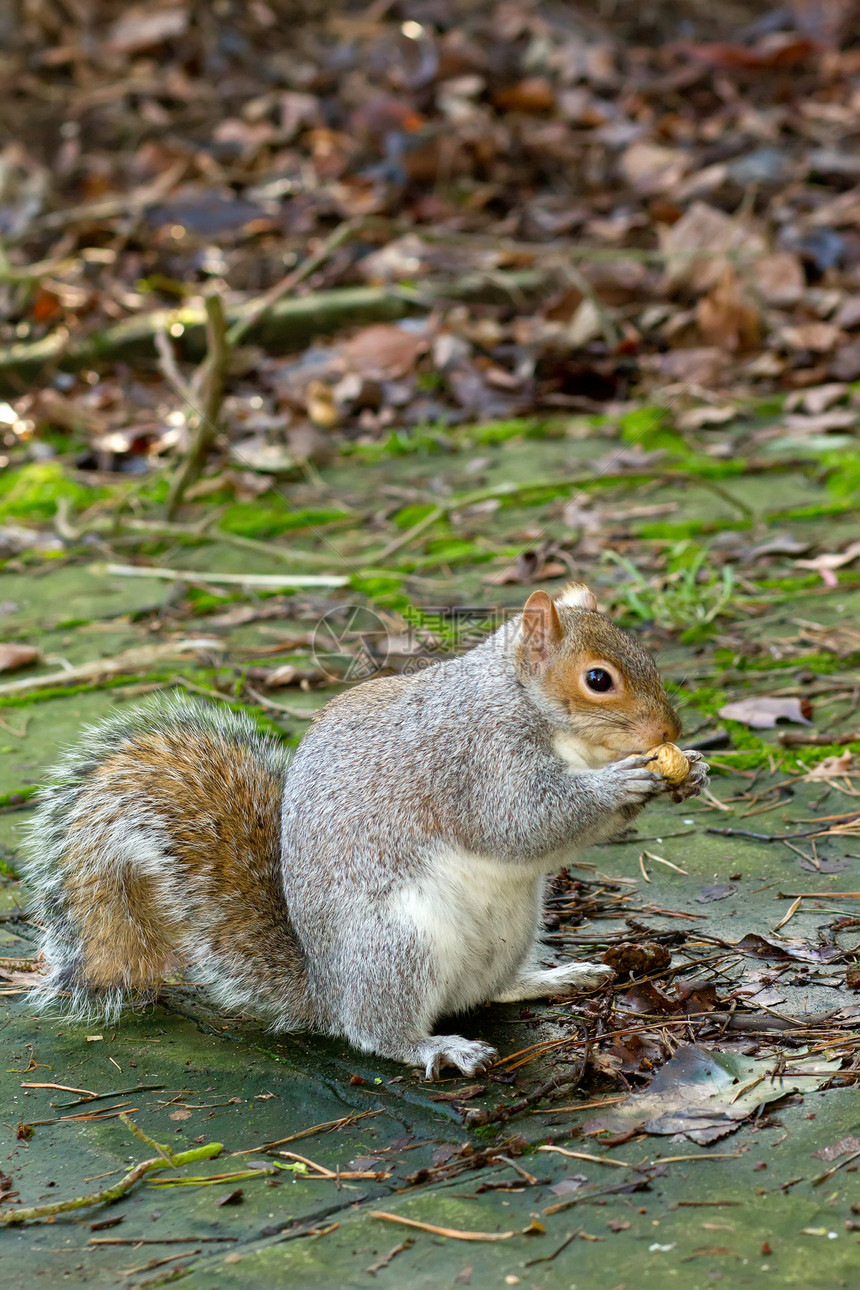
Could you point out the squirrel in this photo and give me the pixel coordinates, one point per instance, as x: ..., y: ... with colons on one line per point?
x: 388, y: 873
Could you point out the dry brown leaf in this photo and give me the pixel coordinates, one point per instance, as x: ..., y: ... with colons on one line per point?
x: 818, y: 399
x: 710, y: 232
x: 383, y: 352
x: 140, y: 27
x: 15, y: 656
x: 762, y: 713
x: 535, y: 95
x: 820, y: 337
x: 843, y: 1147
x: 779, y: 278
x: 707, y: 414
x: 725, y: 316
x: 822, y: 422
x: 650, y: 168
x: 832, y: 767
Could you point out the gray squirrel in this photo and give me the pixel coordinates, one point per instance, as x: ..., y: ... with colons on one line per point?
x: 387, y: 874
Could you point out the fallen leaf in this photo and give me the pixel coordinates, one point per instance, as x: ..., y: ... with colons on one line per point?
x: 141, y: 27
x: 819, y: 398
x: 383, y: 352
x: 781, y: 49
x: 566, y: 1185
x: 762, y: 713
x: 779, y: 278
x: 726, y: 317
x: 770, y: 947
x: 819, y: 337
x: 703, y: 1094
x: 706, y: 415
x: 534, y: 95
x: 821, y: 422
x: 832, y: 559
x: 718, y: 891
x: 232, y: 1198
x: 651, y: 168
x: 711, y: 234
x: 529, y: 567
x: 15, y: 656
x: 181, y: 1114
x: 844, y: 1147
x: 835, y: 767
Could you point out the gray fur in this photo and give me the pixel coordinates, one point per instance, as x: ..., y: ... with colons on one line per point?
x: 420, y: 816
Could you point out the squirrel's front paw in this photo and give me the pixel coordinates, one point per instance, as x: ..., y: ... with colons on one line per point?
x: 470, y: 1056
x: 696, y: 779
x: 633, y: 780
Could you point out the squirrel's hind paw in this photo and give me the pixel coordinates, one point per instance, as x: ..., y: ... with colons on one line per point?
x: 470, y: 1056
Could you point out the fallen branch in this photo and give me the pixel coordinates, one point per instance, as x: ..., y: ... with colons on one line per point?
x: 288, y: 324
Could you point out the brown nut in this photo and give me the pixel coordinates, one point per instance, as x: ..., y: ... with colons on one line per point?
x: 671, y: 763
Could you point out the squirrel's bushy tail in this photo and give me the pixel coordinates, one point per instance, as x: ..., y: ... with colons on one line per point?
x: 156, y: 845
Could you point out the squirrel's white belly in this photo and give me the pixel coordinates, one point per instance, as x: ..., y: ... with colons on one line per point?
x: 478, y: 919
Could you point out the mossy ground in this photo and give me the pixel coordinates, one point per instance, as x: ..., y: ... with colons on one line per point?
x: 658, y: 559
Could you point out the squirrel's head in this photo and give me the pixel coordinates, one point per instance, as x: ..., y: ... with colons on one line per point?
x: 598, y: 686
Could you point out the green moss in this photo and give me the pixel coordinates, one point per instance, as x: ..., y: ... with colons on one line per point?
x: 674, y: 531
x: 381, y: 587
x: 794, y: 582
x: 411, y: 515
x: 843, y: 480
x: 448, y: 550
x: 32, y: 492
x: 401, y: 443
x: 250, y: 519
x: 19, y: 795
x: 205, y: 602
x: 517, y: 428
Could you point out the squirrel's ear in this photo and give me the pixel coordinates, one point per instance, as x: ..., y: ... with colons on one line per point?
x: 542, y: 629
x: 576, y: 596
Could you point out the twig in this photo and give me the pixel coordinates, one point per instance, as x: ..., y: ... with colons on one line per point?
x: 344, y: 1122
x: 455, y: 1233
x: 816, y: 1182
x: 273, y: 580
x: 163, y: 1240
x: 548, y: 1258
x: 208, y: 387
x: 479, y: 1116
x: 386, y: 1258
x: 762, y: 837
x: 585, y: 1155
x: 93, y: 1097
x: 166, y: 1160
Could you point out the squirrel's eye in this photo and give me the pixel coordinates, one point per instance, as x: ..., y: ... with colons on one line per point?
x: 598, y: 679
